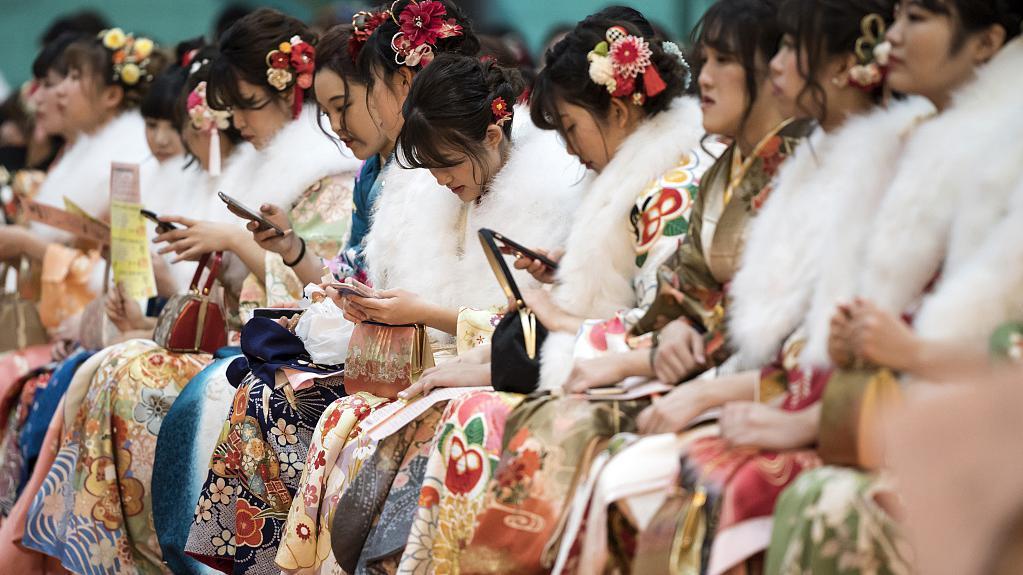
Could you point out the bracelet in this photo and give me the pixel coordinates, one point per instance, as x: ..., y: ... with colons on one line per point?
x: 301, y: 255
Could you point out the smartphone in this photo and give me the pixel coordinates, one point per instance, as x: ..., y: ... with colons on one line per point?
x: 518, y: 248
x: 240, y: 210
x: 277, y: 312
x: 355, y: 289
x: 161, y: 227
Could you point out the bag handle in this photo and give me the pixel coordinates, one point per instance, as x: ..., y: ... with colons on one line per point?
x: 489, y: 239
x: 212, y: 261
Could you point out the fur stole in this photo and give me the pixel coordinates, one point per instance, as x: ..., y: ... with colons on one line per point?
x: 981, y: 283
x: 83, y: 173
x: 595, y: 277
x: 416, y: 241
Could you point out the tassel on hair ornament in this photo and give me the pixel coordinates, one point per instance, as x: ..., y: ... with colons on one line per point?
x: 617, y: 62
x: 208, y: 120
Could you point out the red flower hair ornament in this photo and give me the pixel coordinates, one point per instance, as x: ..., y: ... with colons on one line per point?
x: 502, y: 113
x: 363, y: 25
x: 617, y: 62
x: 421, y: 24
x: 292, y: 64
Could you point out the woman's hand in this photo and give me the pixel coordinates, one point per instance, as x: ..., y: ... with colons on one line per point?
x: 124, y: 312
x: 453, y: 374
x: 840, y: 343
x: 673, y: 412
x: 287, y: 245
x: 883, y: 339
x: 761, y: 426
x: 536, y: 268
x: 393, y: 307
x: 680, y: 351
x: 549, y: 313
x: 197, y: 238
x: 597, y: 372
x: 11, y: 241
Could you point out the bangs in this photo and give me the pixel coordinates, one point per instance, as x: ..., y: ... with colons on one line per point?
x: 543, y: 105
x: 222, y: 92
x: 420, y: 145
x: 714, y: 32
x: 88, y: 59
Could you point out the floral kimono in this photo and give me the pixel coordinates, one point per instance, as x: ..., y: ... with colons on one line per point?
x: 490, y: 505
x: 108, y: 451
x: 832, y: 520
x: 365, y: 510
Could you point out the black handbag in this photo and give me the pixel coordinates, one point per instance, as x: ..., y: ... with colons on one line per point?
x: 515, y: 345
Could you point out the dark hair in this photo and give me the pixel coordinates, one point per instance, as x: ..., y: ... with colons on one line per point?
x: 52, y: 56
x: 89, y: 57
x: 161, y: 101
x: 243, y: 50
x: 566, y: 77
x: 332, y: 53
x: 748, y: 31
x: 227, y: 16
x: 449, y: 108
x: 975, y: 15
x: 822, y: 29
x: 378, y: 55
x: 80, y: 23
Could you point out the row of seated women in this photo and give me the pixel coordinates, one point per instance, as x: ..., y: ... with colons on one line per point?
x: 751, y: 266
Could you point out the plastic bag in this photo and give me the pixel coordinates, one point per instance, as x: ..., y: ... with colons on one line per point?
x: 324, y: 330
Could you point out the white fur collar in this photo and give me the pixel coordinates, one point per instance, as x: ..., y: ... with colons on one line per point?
x: 595, y: 276
x: 413, y: 241
x: 981, y: 284
x: 865, y: 157
x: 83, y: 173
x: 297, y: 157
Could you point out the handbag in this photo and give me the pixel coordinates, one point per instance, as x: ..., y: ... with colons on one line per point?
x: 385, y: 359
x: 518, y: 338
x: 22, y: 326
x: 192, y: 322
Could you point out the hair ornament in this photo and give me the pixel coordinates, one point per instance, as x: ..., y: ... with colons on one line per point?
x: 618, y: 61
x: 672, y: 49
x: 421, y: 24
x: 292, y: 64
x: 501, y: 111
x: 363, y: 25
x: 130, y: 56
x: 206, y: 119
x: 872, y: 53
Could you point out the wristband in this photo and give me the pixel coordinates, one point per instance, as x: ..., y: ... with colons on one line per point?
x: 301, y: 255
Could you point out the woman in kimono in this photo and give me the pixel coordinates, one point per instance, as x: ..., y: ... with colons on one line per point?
x: 498, y: 171
x: 735, y: 41
x: 109, y: 510
x: 941, y: 50
x: 642, y: 143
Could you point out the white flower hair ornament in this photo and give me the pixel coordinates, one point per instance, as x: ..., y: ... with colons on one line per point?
x: 872, y: 52
x: 208, y: 120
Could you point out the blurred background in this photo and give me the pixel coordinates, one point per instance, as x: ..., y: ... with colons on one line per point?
x: 525, y: 25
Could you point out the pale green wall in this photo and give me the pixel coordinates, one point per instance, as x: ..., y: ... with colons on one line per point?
x: 169, y: 21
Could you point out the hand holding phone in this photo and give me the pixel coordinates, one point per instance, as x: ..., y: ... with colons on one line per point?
x: 161, y: 227
x: 355, y: 288
x: 242, y: 211
x: 512, y: 248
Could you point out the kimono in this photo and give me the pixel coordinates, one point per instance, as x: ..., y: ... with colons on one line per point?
x: 108, y: 451
x: 530, y: 200
x: 977, y: 247
x: 693, y: 285
x: 498, y: 515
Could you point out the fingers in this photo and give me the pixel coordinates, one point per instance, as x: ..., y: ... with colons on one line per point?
x: 414, y: 389
x: 269, y: 210
x: 644, y: 422
x: 191, y: 254
x: 696, y: 346
x: 187, y: 222
x: 555, y: 255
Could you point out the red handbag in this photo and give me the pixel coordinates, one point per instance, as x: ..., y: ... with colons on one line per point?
x: 192, y: 322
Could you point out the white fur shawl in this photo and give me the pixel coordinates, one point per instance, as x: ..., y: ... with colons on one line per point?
x: 296, y: 158
x: 982, y: 279
x: 413, y: 242
x: 83, y: 173
x: 595, y: 277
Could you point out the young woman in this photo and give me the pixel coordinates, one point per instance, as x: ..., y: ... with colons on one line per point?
x: 342, y: 94
x: 939, y: 51
x: 642, y: 142
x: 498, y: 172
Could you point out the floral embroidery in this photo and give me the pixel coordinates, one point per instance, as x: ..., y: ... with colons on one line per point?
x: 248, y: 527
x: 284, y: 433
x: 220, y: 491
x: 153, y: 406
x: 224, y: 543
x: 203, y: 510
